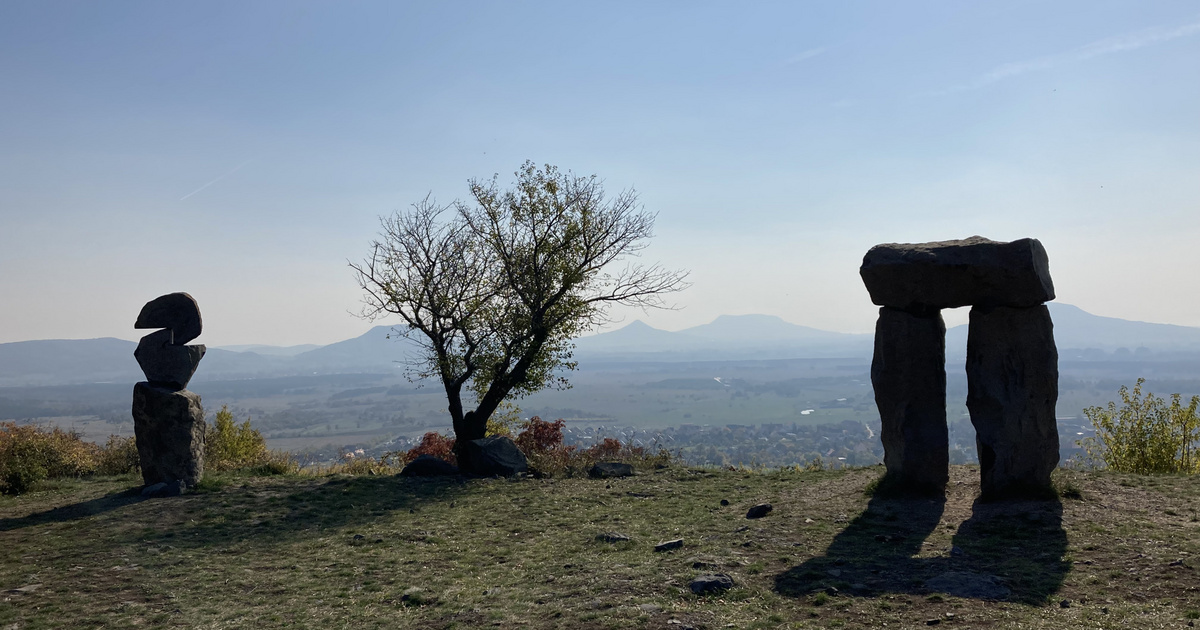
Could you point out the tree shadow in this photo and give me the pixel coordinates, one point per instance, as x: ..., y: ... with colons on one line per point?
x: 1006, y: 550
x: 75, y: 511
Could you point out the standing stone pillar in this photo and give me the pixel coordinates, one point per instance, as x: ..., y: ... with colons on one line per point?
x: 168, y: 420
x: 1012, y: 390
x: 1012, y: 364
x: 908, y: 373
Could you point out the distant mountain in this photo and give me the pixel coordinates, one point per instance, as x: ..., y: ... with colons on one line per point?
x: 636, y: 337
x: 1077, y: 329
x: 729, y: 337
x: 72, y: 361
x: 60, y: 361
x: 271, y: 351
x: 760, y: 329
x: 372, y: 349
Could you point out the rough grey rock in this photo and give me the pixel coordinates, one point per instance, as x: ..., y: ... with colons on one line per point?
x: 948, y: 274
x: 669, y: 545
x: 164, y: 489
x: 177, y: 312
x: 429, y: 466
x: 1012, y: 390
x: 165, y: 364
x: 908, y: 373
x: 711, y: 583
x: 612, y: 537
x: 759, y: 511
x: 169, y: 428
x: 968, y: 585
x: 492, y: 456
x: 604, y: 470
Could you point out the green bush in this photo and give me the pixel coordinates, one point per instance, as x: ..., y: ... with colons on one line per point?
x: 29, y: 454
x: 1145, y: 435
x: 118, y: 456
x: 230, y: 446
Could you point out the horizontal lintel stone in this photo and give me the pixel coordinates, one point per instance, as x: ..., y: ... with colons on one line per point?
x: 948, y: 274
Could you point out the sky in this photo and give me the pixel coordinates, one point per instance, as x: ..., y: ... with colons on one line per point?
x: 244, y: 152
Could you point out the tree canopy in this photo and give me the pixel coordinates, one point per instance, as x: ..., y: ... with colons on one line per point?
x: 495, y: 289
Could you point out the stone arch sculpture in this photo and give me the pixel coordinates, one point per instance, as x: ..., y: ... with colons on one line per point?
x: 168, y: 420
x: 1012, y: 362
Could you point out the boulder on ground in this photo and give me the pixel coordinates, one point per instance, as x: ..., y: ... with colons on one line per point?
x: 759, y: 511
x: 429, y: 466
x: 604, y: 470
x: 169, y: 428
x: 669, y: 545
x: 492, y: 456
x: 612, y: 537
x: 949, y: 274
x: 711, y: 583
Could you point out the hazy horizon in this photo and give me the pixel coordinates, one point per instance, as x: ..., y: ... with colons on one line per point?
x: 244, y: 152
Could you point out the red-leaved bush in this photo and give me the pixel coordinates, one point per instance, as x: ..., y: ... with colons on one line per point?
x: 436, y: 444
x: 610, y: 447
x: 540, y: 436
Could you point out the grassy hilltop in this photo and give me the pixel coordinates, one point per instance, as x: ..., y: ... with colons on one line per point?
x: 384, y: 552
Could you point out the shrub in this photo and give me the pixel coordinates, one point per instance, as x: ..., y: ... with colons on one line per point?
x: 29, y: 454
x: 230, y: 446
x: 353, y: 463
x: 542, y: 444
x: 436, y: 444
x: 118, y: 456
x: 540, y: 436
x: 610, y: 447
x: 1145, y: 435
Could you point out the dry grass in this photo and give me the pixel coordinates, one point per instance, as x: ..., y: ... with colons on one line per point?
x: 348, y: 552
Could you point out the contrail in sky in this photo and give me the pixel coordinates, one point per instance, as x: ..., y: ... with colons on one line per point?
x: 1110, y: 45
x: 235, y: 169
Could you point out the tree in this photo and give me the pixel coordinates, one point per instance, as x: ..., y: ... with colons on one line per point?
x: 494, y: 291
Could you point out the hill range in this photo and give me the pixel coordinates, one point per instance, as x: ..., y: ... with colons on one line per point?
x: 728, y: 337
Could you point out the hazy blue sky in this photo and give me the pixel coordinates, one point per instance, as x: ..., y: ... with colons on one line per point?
x: 244, y: 151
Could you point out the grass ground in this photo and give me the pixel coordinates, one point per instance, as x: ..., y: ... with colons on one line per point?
x: 388, y: 552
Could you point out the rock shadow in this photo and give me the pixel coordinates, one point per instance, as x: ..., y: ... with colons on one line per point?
x: 75, y: 511
x: 1006, y: 550
x: 873, y: 553
x: 253, y: 513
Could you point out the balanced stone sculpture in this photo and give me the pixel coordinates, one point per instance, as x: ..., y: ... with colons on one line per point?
x: 1012, y: 362
x: 168, y: 420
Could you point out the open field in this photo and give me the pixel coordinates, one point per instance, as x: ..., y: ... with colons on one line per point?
x: 385, y: 552
x: 322, y: 413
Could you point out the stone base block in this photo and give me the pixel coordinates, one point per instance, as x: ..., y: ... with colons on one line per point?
x: 169, y: 427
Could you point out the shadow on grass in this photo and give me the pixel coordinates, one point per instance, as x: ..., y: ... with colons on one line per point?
x: 75, y: 511
x: 238, y: 514
x: 1007, y: 550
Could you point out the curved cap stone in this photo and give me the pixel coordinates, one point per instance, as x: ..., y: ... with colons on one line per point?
x: 948, y: 274
x: 175, y: 311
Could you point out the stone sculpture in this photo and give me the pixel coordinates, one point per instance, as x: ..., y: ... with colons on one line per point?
x: 168, y: 420
x: 1012, y: 362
